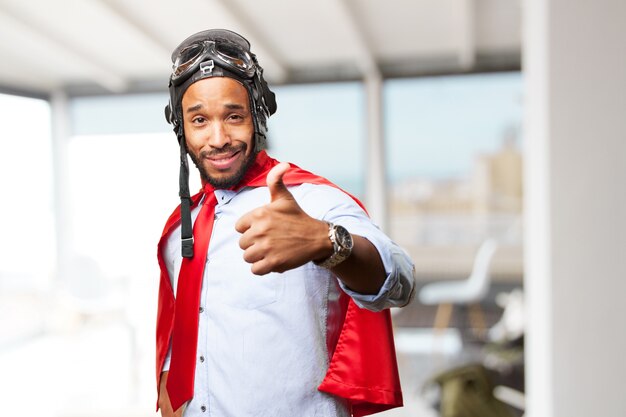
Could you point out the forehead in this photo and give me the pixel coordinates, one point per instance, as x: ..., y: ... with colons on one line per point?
x: 216, y: 89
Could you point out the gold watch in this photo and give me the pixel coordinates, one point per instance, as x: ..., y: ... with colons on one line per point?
x: 342, y: 246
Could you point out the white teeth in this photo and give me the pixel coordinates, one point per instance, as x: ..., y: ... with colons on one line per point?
x: 222, y: 158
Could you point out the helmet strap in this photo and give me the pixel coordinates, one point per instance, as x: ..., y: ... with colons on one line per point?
x: 186, y: 228
x: 260, y: 142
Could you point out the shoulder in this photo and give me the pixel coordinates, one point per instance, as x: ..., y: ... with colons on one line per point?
x: 319, y: 200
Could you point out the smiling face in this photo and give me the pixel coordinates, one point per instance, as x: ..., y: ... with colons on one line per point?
x: 219, y: 130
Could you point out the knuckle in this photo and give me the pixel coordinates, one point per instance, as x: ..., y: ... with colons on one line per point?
x: 264, y: 246
x: 258, y: 213
x: 247, y: 256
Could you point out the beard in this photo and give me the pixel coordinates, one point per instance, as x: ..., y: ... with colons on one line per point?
x: 229, y: 181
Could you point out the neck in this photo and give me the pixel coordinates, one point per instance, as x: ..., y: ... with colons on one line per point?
x: 260, y: 164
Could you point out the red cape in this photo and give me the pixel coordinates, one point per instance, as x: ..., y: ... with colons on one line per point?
x: 363, y: 368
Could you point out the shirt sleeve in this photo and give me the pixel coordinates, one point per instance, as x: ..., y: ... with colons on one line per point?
x: 398, y: 288
x: 333, y: 205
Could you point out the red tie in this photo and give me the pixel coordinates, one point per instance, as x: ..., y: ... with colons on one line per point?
x: 185, y: 333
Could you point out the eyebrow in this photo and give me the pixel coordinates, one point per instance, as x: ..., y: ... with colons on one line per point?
x: 233, y: 106
x: 230, y: 106
x: 193, y: 108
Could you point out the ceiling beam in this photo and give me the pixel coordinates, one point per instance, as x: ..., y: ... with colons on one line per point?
x: 98, y: 72
x: 23, y: 92
x: 150, y: 35
x: 21, y: 69
x: 467, y: 33
x: 263, y: 48
x: 366, y: 62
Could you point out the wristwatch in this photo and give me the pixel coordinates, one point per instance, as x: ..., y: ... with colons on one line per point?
x: 342, y: 246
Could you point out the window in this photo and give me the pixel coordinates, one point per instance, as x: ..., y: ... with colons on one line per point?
x: 455, y: 168
x: 27, y: 246
x: 320, y: 127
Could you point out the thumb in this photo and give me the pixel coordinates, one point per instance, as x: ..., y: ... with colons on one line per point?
x: 275, y: 182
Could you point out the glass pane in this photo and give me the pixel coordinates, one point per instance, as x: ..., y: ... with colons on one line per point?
x: 320, y: 127
x: 27, y: 246
x: 119, y: 196
x: 455, y: 170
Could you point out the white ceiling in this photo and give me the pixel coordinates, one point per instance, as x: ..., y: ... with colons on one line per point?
x: 112, y: 46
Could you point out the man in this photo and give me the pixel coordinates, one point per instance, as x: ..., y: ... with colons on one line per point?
x: 258, y: 308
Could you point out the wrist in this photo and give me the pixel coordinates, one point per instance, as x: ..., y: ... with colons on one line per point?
x: 342, y: 244
x: 325, y: 247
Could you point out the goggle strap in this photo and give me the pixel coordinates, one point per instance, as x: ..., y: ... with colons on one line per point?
x: 186, y: 229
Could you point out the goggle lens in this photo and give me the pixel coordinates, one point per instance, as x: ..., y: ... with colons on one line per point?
x: 234, y: 56
x: 229, y: 54
x: 187, y: 58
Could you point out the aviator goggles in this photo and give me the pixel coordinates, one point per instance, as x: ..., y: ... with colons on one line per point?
x: 202, y: 55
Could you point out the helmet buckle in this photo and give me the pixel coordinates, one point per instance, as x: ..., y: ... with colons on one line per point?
x: 206, y: 68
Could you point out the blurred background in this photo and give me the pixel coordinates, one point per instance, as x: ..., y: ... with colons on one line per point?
x: 486, y: 137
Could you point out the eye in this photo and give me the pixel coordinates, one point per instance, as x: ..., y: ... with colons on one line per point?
x: 235, y: 117
x: 198, y: 120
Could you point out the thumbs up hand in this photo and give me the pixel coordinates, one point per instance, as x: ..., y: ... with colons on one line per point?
x: 280, y: 236
x: 278, y: 189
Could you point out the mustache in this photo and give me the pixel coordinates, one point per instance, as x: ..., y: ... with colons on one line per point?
x: 226, y: 150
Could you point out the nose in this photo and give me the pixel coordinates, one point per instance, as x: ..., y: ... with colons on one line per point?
x: 218, y: 136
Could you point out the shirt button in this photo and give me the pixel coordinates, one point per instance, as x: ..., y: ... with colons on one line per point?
x: 201, y: 309
x: 201, y: 358
x: 203, y: 408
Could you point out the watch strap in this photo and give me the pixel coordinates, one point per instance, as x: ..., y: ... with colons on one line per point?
x: 340, y: 253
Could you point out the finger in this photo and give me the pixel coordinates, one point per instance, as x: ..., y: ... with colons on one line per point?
x: 275, y: 183
x: 261, y: 267
x: 252, y: 255
x: 243, y: 223
x: 246, y: 240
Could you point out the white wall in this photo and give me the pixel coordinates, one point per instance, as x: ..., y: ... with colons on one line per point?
x: 575, y: 69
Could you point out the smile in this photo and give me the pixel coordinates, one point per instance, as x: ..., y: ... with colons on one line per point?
x: 223, y: 161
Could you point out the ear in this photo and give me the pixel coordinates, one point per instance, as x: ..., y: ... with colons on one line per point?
x: 168, y: 114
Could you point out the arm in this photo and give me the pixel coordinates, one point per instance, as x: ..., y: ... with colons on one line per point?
x: 164, y: 399
x: 363, y: 271
x: 281, y: 236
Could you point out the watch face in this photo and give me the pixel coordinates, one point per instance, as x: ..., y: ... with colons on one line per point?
x: 344, y: 238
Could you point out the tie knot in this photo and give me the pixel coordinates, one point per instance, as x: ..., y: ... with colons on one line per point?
x: 208, y: 189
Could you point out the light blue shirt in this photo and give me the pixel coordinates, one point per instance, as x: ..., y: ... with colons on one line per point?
x: 264, y: 342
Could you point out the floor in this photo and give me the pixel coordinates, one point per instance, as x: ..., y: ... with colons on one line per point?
x: 84, y: 368
x: 87, y: 374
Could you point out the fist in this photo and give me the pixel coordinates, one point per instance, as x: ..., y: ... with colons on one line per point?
x: 280, y: 236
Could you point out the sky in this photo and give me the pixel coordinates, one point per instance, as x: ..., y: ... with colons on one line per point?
x: 433, y: 126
